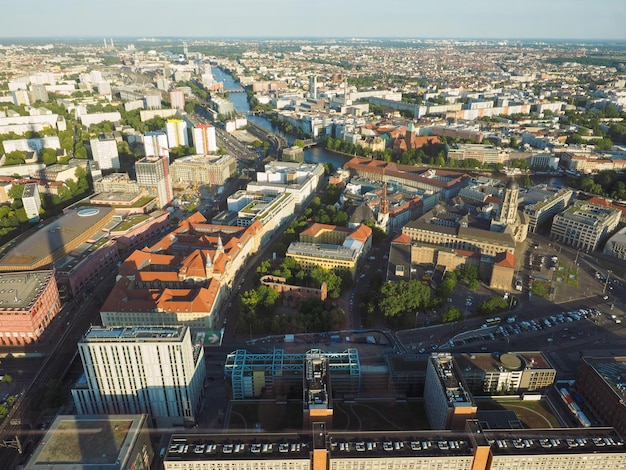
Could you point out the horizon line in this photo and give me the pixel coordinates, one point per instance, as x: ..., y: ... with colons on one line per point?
x: 304, y: 37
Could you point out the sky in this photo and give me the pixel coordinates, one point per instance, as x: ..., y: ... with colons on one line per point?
x: 495, y: 19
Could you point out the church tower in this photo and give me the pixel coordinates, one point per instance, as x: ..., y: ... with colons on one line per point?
x: 508, y: 207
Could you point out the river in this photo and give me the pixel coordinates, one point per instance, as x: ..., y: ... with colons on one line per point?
x: 320, y: 154
x: 240, y: 102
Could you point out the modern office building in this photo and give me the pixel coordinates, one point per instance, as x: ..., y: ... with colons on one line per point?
x: 153, y: 175
x: 269, y: 209
x: 104, y: 151
x: 155, y: 144
x: 584, y: 225
x: 449, y: 403
x: 274, y: 374
x: 153, y: 370
x: 616, y: 245
x: 510, y: 373
x: 473, y: 448
x: 601, y: 382
x: 202, y: 170
x: 482, y: 153
x: 176, y: 133
x: 28, y: 303
x: 204, y: 139
x: 31, y: 201
x: 177, y: 99
x: 109, y: 442
x: 301, y: 180
x: 541, y: 211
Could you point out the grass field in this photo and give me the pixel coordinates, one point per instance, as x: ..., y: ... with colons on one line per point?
x: 532, y: 414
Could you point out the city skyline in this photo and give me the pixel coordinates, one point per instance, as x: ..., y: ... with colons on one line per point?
x: 484, y: 19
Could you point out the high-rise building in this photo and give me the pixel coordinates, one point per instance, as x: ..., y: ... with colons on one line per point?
x: 204, y: 139
x: 31, y: 201
x: 155, y: 144
x: 177, y: 99
x: 176, y: 133
x: 38, y: 93
x: 152, y: 101
x: 104, y: 151
x: 21, y: 97
x: 154, y: 370
x: 153, y: 174
x: 313, y: 87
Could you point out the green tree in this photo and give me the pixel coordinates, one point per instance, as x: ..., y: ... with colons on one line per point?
x: 452, y: 314
x: 48, y: 156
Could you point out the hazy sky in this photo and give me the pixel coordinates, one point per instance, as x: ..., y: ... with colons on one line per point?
x: 501, y: 19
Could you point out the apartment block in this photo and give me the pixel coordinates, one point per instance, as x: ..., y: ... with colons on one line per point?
x: 204, y: 139
x: 176, y: 133
x: 104, y: 151
x: 31, y: 201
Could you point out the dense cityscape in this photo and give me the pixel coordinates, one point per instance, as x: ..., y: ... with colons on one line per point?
x: 312, y: 253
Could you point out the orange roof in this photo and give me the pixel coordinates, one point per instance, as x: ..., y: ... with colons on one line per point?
x: 604, y: 202
x: 402, y: 238
x: 362, y: 234
x: 505, y: 260
x: 316, y: 228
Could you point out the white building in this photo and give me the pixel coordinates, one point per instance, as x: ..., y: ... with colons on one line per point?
x: 154, y: 370
x: 155, y: 144
x: 176, y: 133
x: 299, y: 179
x: 104, y: 152
x: 204, y: 139
x: 31, y: 201
x: 32, y: 145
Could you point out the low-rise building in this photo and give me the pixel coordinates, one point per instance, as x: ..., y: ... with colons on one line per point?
x: 109, y: 442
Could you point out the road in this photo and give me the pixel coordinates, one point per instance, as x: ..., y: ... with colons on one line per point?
x: 59, y: 355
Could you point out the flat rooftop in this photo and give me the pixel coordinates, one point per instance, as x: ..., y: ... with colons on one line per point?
x: 98, y: 441
x: 143, y: 333
x: 488, y: 362
x: 239, y: 447
x: 555, y: 441
x: 612, y: 370
x: 323, y: 250
x: 18, y: 290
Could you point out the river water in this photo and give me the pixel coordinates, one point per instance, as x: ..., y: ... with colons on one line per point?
x: 320, y: 154
x: 240, y: 102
